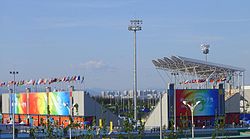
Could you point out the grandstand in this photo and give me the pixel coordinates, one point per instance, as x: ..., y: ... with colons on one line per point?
x: 196, y: 75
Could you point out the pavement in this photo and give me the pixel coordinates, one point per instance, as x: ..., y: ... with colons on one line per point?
x: 241, y: 133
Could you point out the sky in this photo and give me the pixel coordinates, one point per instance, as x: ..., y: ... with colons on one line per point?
x: 54, y: 38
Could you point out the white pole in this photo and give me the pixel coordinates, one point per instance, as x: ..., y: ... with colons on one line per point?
x: 13, y: 101
x: 135, y: 26
x: 243, y: 93
x: 68, y: 106
x: 192, y: 116
x: 135, y: 77
x: 70, y: 132
x: 192, y: 107
x: 160, y: 116
x: 70, y: 119
x: 175, y: 86
x: 13, y: 105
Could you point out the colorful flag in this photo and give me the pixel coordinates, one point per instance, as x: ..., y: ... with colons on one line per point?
x: 78, y: 78
x: 82, y: 79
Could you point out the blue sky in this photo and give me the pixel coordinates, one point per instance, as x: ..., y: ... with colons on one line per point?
x: 56, y: 38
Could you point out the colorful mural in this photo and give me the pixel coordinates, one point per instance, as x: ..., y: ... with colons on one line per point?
x: 21, y: 103
x: 38, y: 103
x: 59, y: 103
x: 207, y: 107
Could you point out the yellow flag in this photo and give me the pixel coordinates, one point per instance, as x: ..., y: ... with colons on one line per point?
x: 100, y: 123
x: 111, y: 126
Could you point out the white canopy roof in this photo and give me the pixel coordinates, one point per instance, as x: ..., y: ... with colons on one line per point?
x: 200, y: 67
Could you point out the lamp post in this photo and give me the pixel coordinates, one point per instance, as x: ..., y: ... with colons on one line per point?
x: 135, y: 25
x: 160, y: 115
x: 70, y: 113
x: 13, y: 100
x: 175, y: 86
x: 192, y: 107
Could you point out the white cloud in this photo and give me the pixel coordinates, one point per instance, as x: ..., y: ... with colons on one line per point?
x: 93, y: 64
x: 96, y: 65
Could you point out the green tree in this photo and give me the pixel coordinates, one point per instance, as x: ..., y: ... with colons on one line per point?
x: 172, y: 134
x: 32, y: 133
x: 141, y: 130
x: 128, y: 127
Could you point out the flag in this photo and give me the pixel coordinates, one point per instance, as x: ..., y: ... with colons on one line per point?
x: 78, y: 78
x: 75, y: 77
x: 2, y: 83
x: 34, y: 82
x: 21, y: 82
x: 67, y: 79
x: 59, y: 79
x: 39, y: 81
x: 53, y: 80
x: 45, y: 81
x: 64, y: 79
x: 30, y: 82
x: 82, y: 79
x: 186, y: 82
x: 72, y: 78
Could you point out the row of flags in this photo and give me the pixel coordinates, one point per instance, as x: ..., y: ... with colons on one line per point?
x: 204, y: 80
x: 43, y: 81
x: 193, y: 81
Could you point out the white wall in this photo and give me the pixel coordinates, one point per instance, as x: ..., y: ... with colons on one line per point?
x: 154, y: 117
x: 78, y: 97
x: 5, y: 103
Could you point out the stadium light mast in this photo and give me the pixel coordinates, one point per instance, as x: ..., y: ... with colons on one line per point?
x: 205, y: 49
x: 135, y: 25
x: 13, y: 101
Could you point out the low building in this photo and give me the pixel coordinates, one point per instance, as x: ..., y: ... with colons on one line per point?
x: 58, y: 105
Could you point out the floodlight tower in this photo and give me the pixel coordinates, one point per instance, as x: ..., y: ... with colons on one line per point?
x: 14, y: 73
x: 205, y: 49
x: 135, y: 25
